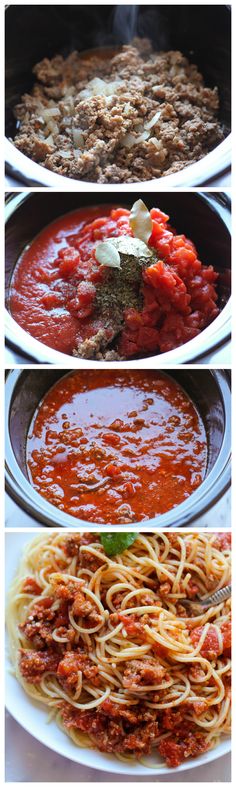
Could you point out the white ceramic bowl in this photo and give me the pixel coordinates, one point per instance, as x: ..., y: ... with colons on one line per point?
x: 33, y: 717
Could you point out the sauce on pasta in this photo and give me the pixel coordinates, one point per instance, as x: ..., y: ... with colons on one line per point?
x: 107, y: 644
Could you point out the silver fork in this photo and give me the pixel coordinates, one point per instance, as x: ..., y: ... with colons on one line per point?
x: 211, y: 601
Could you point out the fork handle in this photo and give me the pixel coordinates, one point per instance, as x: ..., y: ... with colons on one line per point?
x: 220, y: 595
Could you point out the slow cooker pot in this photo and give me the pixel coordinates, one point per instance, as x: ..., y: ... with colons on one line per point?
x: 201, y: 32
x: 209, y: 390
x: 203, y: 218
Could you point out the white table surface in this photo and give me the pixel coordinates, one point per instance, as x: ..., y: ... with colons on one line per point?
x: 30, y: 761
x: 218, y: 516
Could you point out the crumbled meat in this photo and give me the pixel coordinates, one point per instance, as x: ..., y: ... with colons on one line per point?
x: 196, y: 673
x: 133, y: 626
x: 192, y: 589
x: 176, y: 750
x: 34, y: 664
x: 113, y: 732
x: 143, y: 673
x: 73, y: 544
x: 142, y: 740
x: 222, y: 541
x: 83, y: 607
x: 172, y: 718
x: 65, y: 589
x: 31, y: 586
x: 74, y: 662
x: 91, y: 118
x: 94, y: 346
x: 41, y: 621
x: 199, y: 707
x: 115, y: 711
x: 165, y: 589
x: 85, y: 559
x: 38, y: 626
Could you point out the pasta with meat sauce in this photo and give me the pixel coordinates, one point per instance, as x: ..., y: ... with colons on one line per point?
x: 108, y: 645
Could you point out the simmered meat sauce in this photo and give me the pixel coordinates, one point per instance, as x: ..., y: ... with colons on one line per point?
x: 113, y: 447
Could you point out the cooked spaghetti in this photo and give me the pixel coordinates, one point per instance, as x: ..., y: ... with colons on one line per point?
x: 109, y: 646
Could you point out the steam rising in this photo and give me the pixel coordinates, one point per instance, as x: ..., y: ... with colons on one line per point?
x: 125, y: 22
x: 113, y: 25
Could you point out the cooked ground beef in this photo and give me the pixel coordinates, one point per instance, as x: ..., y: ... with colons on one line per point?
x: 72, y: 591
x: 190, y: 744
x: 141, y: 673
x: 72, y: 664
x: 132, y: 117
x: 34, y: 664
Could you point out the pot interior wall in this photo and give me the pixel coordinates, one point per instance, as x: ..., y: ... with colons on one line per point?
x: 201, y: 32
x: 202, y: 387
x: 197, y: 217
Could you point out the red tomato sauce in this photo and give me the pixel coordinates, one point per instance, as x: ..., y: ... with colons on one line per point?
x: 57, y: 279
x: 116, y: 448
x: 43, y: 287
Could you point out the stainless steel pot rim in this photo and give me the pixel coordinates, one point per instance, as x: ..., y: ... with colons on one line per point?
x: 208, y: 167
x: 212, y: 488
x: 215, y: 334
x: 34, y: 505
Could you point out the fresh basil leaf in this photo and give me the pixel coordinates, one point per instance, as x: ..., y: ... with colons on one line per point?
x: 114, y: 543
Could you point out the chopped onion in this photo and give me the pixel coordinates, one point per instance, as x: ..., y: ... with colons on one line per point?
x: 98, y: 87
x: 153, y: 121
x: 78, y: 137
x: 156, y: 142
x: 127, y: 108
x: 131, y: 139
x: 109, y: 100
x: 64, y: 153
x: 48, y: 114
x: 142, y: 137
x: 70, y: 91
x: 49, y: 140
x: 53, y: 127
x: 67, y: 107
